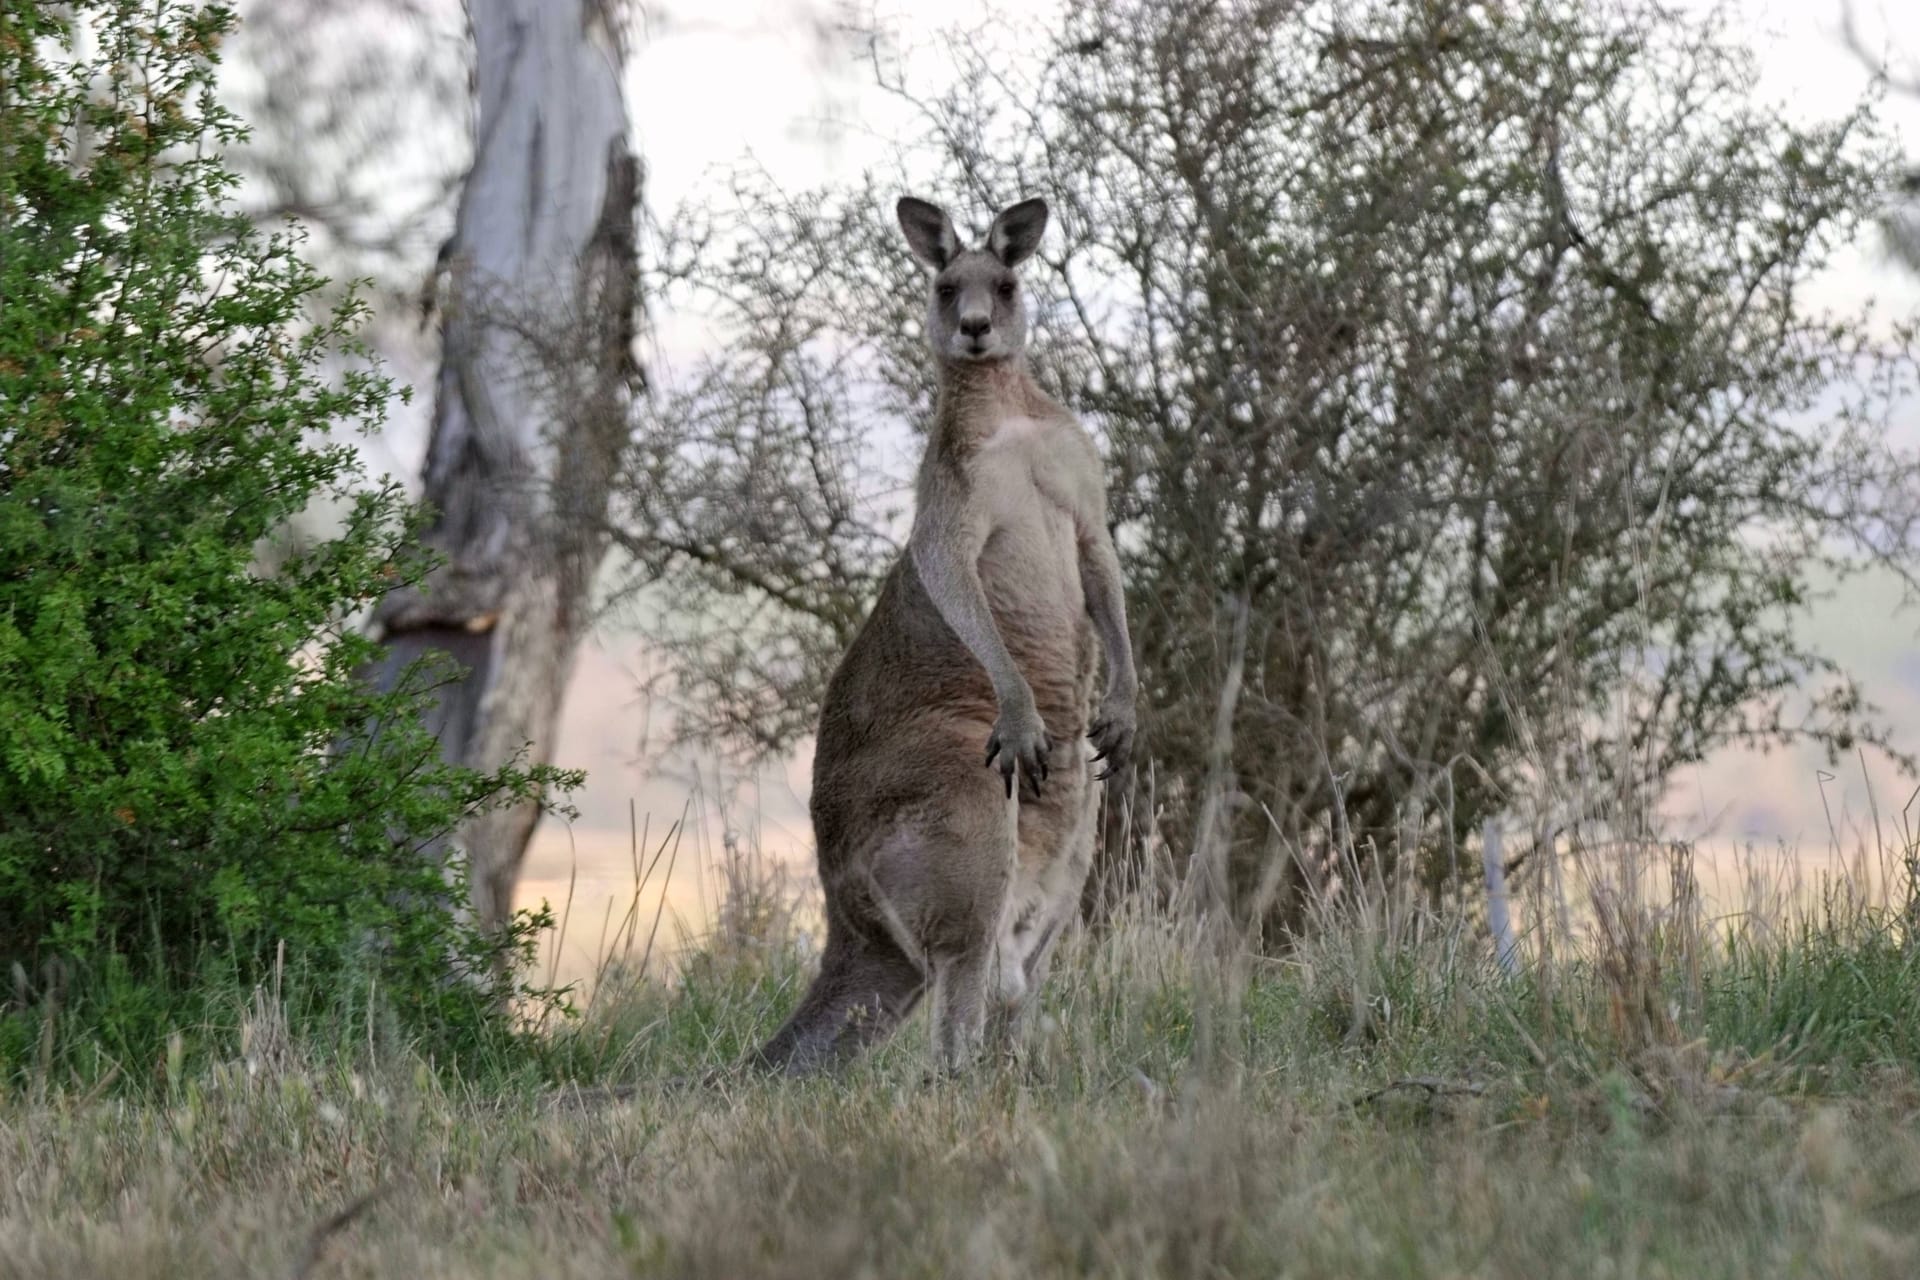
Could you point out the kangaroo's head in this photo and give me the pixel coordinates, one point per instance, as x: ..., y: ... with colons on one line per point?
x: 975, y: 312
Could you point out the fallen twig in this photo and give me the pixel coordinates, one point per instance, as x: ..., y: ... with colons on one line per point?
x: 1434, y: 1086
x: 317, y: 1239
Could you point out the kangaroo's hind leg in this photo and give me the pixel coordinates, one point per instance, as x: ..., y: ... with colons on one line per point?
x: 945, y: 885
x: 1044, y: 902
x: 961, y: 982
x: 866, y: 987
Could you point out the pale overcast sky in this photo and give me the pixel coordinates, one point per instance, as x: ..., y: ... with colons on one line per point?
x: 750, y: 81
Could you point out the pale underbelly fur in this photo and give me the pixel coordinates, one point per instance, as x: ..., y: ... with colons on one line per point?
x: 1042, y: 896
x: 1038, y: 550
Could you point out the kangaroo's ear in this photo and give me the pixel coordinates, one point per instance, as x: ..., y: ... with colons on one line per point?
x: 929, y: 230
x: 1016, y: 232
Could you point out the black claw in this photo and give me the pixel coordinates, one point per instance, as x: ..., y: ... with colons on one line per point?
x: 993, y: 749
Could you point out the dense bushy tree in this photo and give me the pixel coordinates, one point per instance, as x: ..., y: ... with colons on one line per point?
x: 1464, y: 348
x: 192, y: 780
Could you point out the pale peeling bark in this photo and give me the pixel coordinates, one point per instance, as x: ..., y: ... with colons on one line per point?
x: 532, y: 403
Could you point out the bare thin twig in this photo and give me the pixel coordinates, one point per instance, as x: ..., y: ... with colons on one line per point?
x: 322, y: 1234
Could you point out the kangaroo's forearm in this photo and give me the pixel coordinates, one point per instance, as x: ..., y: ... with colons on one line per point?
x: 953, y: 584
x: 1107, y: 607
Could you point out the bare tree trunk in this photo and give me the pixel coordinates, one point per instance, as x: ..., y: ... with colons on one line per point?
x: 532, y: 406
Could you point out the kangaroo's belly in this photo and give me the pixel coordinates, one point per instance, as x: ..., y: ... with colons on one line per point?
x: 906, y: 717
x: 1030, y: 570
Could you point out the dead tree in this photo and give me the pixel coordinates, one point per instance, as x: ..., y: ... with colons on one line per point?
x: 537, y: 296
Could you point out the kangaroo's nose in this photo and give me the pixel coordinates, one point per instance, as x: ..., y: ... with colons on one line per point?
x: 975, y: 326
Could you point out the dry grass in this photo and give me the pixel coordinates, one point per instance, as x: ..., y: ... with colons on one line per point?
x: 986, y: 1180
x: 1383, y: 1103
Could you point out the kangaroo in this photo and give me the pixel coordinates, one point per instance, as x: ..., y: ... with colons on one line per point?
x: 941, y: 874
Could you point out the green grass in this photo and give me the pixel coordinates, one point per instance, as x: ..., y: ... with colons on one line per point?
x: 1386, y: 1107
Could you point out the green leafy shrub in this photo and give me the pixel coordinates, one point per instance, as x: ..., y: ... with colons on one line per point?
x: 193, y: 781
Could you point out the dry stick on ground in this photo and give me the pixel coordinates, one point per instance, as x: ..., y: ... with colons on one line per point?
x: 317, y: 1239
x: 579, y: 1097
x: 1435, y: 1087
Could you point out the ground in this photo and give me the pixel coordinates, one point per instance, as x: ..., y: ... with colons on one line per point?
x: 1383, y: 1106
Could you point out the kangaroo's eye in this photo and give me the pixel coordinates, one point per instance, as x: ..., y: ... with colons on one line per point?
x: 1006, y: 291
x: 946, y: 292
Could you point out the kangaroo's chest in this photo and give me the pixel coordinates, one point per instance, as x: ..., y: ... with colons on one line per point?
x: 1032, y: 553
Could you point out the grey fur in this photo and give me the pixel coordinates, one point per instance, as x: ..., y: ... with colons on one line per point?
x: 941, y: 874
